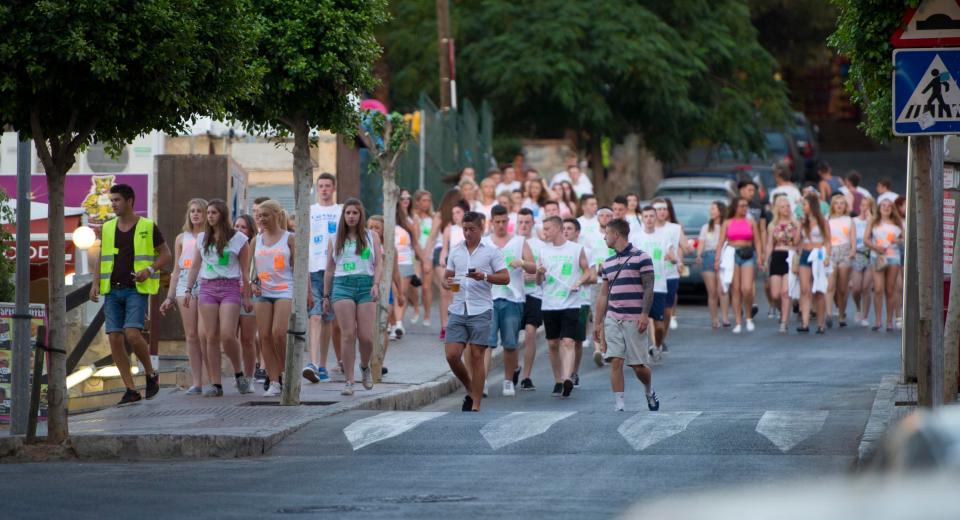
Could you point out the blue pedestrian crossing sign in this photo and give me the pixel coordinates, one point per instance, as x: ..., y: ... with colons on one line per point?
x: 926, y: 97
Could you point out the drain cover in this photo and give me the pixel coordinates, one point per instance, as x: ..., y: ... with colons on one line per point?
x: 427, y: 499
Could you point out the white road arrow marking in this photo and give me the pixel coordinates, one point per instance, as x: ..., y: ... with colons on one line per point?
x: 646, y: 429
x: 384, y: 426
x: 518, y: 426
x: 787, y: 429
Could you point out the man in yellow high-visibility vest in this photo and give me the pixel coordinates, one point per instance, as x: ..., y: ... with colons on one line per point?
x: 132, y: 251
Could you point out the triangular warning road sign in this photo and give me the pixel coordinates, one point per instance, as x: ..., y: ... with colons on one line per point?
x: 933, y: 23
x: 936, y: 97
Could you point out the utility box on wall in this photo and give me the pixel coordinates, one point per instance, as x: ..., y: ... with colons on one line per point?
x: 180, y: 178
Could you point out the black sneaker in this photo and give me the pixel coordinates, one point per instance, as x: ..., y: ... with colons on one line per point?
x: 384, y: 371
x: 467, y: 404
x: 557, y: 389
x: 259, y: 375
x: 129, y: 397
x: 153, y: 385
x: 653, y: 403
x: 527, y: 385
x: 754, y: 310
x: 664, y: 349
x: 516, y: 376
x: 567, y: 387
x: 266, y: 384
x: 576, y: 379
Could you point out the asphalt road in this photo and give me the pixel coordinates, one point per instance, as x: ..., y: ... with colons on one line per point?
x: 754, y: 408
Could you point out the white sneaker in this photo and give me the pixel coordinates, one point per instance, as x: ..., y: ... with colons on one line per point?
x: 771, y: 314
x: 393, y: 334
x: 673, y: 323
x: 398, y: 330
x: 273, y: 390
x: 415, y: 319
x: 367, y: 380
x: 864, y: 323
x: 508, y: 390
x: 750, y: 326
x: 426, y: 322
x: 736, y: 329
x: 619, y: 406
x: 347, y: 389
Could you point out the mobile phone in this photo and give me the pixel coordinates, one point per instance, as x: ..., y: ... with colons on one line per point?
x: 471, y: 270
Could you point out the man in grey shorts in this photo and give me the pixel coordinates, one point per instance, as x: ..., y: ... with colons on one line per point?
x: 622, y: 314
x: 472, y: 267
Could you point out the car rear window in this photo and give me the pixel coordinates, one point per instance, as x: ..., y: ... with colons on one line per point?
x: 692, y: 191
x: 692, y: 216
x: 775, y: 142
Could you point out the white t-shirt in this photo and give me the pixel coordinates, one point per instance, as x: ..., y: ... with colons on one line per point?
x: 530, y: 286
x: 508, y: 187
x: 226, y: 265
x: 672, y: 231
x: 656, y: 245
x: 349, y: 262
x: 323, y: 226
x: 401, y: 240
x: 562, y: 264
x: 582, y: 187
x: 512, y: 250
x: 588, y: 226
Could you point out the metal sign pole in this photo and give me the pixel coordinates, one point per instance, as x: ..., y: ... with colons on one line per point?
x: 20, y: 402
x: 936, y: 321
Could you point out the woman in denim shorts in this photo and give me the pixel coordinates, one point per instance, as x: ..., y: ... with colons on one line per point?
x: 186, y: 245
x: 222, y: 261
x: 706, y: 256
x: 861, y: 277
x: 353, y: 272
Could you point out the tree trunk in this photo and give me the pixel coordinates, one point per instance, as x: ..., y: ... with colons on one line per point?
x: 57, y: 427
x: 925, y: 238
x: 951, y: 335
x: 297, y: 331
x: 596, y: 165
x: 390, y: 193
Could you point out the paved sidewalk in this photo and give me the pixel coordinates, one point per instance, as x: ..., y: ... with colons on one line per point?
x: 176, y: 425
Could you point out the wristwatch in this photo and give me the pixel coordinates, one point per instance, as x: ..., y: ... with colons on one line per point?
x: 150, y: 268
x: 484, y: 277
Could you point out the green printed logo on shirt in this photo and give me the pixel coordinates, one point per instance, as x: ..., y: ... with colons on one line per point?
x: 611, y: 251
x: 365, y: 254
x: 567, y: 269
x: 509, y: 261
x: 349, y: 266
x: 224, y: 258
x: 657, y: 254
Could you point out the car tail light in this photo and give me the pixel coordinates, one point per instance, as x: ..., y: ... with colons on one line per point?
x: 788, y: 161
x: 694, y: 242
x: 806, y: 148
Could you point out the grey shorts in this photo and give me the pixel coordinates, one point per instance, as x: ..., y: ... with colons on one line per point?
x: 472, y: 330
x: 625, y: 342
x: 406, y: 270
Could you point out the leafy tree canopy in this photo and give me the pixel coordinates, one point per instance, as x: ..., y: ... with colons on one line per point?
x: 671, y: 71
x: 863, y: 35
x: 317, y: 53
x: 118, y: 68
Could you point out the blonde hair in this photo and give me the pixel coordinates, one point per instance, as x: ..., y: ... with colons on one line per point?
x: 274, y: 207
x: 467, y: 182
x: 846, y: 207
x: 776, y: 211
x: 202, y: 203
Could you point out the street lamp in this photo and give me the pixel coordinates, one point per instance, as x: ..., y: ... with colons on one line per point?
x: 84, y: 238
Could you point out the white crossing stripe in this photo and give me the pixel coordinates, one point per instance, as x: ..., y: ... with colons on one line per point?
x: 385, y: 425
x: 648, y: 428
x: 518, y: 426
x: 786, y: 429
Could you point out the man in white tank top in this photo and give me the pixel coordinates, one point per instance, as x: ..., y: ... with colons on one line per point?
x: 565, y: 269
x: 508, y: 299
x: 324, y: 219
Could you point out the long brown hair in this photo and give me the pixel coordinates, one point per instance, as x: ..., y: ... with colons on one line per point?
x: 894, y: 215
x: 360, y: 230
x: 722, y: 210
x: 220, y: 235
x: 449, y: 200
x: 403, y: 221
x: 202, y: 203
x: 813, y: 200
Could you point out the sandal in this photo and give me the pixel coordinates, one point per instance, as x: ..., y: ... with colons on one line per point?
x: 803, y: 329
x: 820, y: 330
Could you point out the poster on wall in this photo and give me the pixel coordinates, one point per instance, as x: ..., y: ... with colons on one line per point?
x: 39, y: 319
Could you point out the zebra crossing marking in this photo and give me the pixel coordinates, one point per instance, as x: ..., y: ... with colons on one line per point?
x: 787, y: 429
x: 382, y: 426
x: 646, y: 429
x: 517, y: 426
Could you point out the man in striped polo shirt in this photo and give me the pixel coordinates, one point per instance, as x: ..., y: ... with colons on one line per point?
x: 623, y: 310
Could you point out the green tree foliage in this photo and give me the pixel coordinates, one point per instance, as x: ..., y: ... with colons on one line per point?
x: 794, y: 31
x: 7, y: 264
x: 317, y: 55
x: 671, y: 71
x: 72, y: 71
x: 864, y: 28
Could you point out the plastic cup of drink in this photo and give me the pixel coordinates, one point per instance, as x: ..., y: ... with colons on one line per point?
x: 455, y: 284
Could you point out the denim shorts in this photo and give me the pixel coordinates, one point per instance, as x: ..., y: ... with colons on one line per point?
x: 217, y: 291
x: 507, y: 316
x: 805, y: 259
x: 708, y: 258
x: 124, y: 308
x: 658, y: 306
x: 740, y: 262
x: 316, y: 287
x: 469, y: 330
x: 673, y: 285
x: 354, y: 287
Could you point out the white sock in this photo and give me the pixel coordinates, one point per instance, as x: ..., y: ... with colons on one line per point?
x: 648, y: 390
x: 618, y: 396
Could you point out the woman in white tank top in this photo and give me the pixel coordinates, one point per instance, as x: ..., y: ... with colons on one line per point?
x: 274, y: 288
x: 186, y: 248
x: 423, y: 225
x: 843, y: 241
x: 884, y: 237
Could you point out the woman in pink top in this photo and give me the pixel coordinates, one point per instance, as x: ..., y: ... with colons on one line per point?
x: 741, y: 233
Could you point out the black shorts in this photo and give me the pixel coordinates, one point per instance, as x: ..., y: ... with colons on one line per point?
x: 562, y: 323
x: 778, y: 263
x: 531, y: 313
